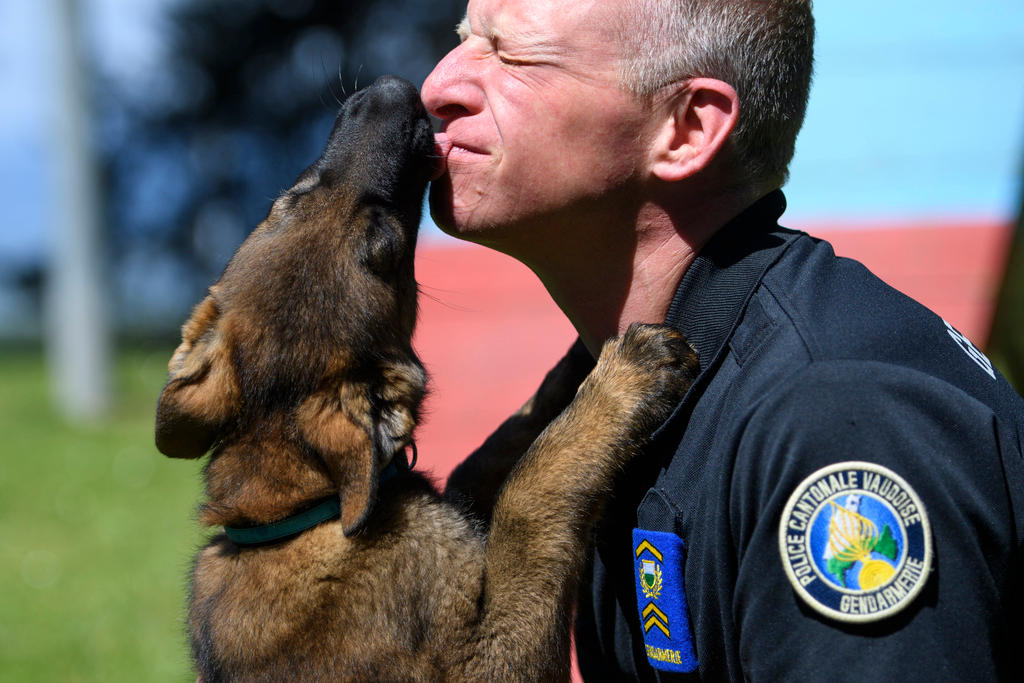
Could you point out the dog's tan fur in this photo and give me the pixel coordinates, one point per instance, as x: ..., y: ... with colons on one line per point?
x: 298, y: 372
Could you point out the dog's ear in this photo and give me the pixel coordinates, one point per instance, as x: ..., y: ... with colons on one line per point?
x: 338, y: 425
x: 201, y: 393
x: 355, y: 432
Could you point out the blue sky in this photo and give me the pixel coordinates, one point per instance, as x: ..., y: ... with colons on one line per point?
x: 917, y: 111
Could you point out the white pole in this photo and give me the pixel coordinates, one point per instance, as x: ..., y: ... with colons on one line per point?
x: 77, y: 326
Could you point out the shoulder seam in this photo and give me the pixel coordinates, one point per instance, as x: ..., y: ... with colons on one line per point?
x: 788, y: 309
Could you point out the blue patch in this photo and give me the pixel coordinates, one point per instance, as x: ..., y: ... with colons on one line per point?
x: 855, y: 542
x: 661, y: 601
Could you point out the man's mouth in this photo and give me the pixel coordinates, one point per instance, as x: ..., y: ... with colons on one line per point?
x: 442, y: 148
x: 450, y: 150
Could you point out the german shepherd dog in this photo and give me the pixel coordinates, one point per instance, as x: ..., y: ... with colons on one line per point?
x: 297, y: 374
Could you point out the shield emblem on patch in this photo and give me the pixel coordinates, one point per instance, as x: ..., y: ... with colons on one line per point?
x: 650, y: 578
x: 648, y: 574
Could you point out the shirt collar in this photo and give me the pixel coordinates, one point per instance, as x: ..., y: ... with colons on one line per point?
x: 716, y: 287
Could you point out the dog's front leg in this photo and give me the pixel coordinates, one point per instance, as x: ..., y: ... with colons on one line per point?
x: 474, y: 485
x: 544, y: 514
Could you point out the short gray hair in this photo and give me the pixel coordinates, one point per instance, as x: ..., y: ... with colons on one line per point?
x: 764, y: 49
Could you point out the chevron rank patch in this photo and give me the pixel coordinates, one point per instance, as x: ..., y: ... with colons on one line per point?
x: 661, y: 601
x: 855, y: 542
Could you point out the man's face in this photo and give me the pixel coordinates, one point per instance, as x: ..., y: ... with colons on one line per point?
x: 540, y: 131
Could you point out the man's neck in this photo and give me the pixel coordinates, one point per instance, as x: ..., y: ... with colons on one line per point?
x: 628, y: 272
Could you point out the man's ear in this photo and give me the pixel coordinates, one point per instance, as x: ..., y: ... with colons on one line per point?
x: 698, y: 118
x: 201, y: 393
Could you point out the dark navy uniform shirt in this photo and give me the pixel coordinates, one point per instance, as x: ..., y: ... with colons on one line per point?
x: 839, y: 497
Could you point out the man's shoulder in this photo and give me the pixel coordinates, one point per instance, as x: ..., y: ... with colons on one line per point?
x: 841, y: 309
x: 840, y: 313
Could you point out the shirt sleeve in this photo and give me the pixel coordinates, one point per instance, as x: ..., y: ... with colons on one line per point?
x: 801, y: 600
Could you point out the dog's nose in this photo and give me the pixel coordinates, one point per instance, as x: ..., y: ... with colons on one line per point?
x: 395, y: 90
x: 387, y: 99
x: 378, y: 131
x: 401, y: 87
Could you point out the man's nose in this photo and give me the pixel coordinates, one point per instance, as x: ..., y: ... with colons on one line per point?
x: 453, y: 88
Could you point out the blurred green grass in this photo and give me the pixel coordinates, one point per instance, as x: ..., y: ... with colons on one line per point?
x: 97, y: 531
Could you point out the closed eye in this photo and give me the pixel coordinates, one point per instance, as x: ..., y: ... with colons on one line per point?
x: 505, y: 59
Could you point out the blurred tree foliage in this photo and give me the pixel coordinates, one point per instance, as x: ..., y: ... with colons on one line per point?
x: 1006, y: 343
x: 243, y: 103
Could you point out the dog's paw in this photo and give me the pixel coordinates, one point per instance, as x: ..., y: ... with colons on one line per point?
x: 650, y: 368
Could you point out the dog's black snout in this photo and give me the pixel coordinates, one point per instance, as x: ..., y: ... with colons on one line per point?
x: 399, y: 88
x: 386, y: 94
x: 381, y: 142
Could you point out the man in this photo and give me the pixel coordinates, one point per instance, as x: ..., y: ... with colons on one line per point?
x: 841, y: 494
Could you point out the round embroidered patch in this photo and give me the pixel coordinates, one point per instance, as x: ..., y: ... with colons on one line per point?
x: 855, y: 542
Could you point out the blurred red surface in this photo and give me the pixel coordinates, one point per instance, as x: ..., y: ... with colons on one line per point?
x: 955, y: 269
x: 487, y: 333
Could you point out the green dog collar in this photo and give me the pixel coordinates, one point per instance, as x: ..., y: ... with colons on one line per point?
x: 327, y: 508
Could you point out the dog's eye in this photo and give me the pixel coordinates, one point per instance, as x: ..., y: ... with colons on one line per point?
x: 329, y: 177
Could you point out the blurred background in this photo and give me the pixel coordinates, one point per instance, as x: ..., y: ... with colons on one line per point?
x: 141, y: 140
